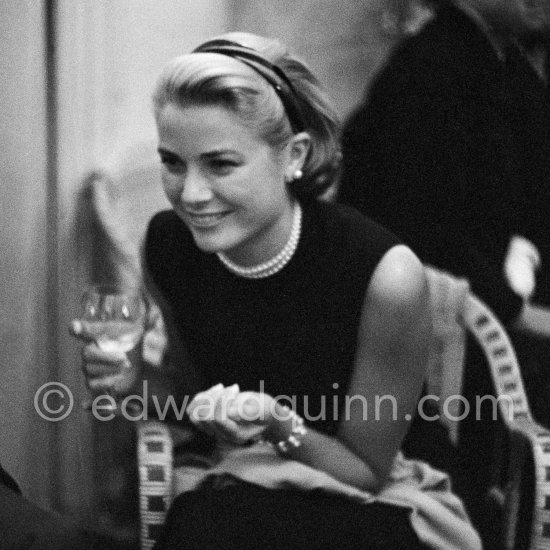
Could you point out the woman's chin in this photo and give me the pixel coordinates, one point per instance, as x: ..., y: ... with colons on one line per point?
x: 208, y: 244
x: 214, y: 240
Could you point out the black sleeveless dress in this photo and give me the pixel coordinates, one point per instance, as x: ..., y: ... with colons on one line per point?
x: 292, y: 335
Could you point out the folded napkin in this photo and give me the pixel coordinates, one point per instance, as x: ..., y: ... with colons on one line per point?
x: 446, y: 360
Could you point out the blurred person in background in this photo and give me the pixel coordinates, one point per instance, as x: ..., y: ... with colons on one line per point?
x: 450, y: 150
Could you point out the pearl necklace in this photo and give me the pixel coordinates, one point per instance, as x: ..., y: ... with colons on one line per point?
x: 275, y: 264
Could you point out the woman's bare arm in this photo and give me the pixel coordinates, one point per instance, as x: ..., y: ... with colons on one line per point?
x: 393, y: 341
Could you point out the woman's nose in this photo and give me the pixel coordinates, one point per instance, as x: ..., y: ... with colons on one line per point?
x: 195, y: 189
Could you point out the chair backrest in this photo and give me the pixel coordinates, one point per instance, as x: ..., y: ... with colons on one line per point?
x: 155, y: 466
x: 124, y: 197
x: 525, y: 495
x: 508, y: 454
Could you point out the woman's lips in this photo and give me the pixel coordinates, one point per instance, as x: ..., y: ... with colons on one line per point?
x: 204, y: 219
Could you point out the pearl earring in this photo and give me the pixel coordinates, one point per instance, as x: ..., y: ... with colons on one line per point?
x: 298, y: 174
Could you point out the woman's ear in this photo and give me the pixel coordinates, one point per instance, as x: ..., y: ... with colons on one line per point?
x: 298, y: 148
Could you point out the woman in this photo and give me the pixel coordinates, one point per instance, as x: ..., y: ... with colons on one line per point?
x: 279, y: 298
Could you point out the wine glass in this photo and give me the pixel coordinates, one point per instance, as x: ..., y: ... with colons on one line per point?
x: 115, y: 318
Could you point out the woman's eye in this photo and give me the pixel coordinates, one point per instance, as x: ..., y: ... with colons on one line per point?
x: 222, y: 166
x: 172, y: 163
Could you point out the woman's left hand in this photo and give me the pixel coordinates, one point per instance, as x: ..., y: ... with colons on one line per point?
x: 231, y: 415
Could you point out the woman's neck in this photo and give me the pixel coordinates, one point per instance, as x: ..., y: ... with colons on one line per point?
x: 276, y: 261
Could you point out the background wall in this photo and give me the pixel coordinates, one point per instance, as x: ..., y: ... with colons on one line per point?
x: 108, y: 55
x: 77, y: 76
x: 24, y: 358
x: 343, y: 42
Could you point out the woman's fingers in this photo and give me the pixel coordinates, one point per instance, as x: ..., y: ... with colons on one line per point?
x: 109, y: 371
x: 228, y: 414
x: 104, y: 383
x: 92, y: 353
x: 106, y: 371
x: 98, y: 363
x: 202, y: 405
x: 80, y: 329
x: 225, y: 402
x: 221, y: 403
x: 249, y: 407
x: 96, y: 370
x: 209, y: 411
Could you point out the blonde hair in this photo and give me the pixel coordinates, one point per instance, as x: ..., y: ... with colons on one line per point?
x: 207, y: 78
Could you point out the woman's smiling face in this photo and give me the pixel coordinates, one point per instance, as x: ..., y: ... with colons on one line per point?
x: 225, y: 182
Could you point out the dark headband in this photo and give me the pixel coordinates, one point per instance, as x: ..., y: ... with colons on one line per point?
x: 270, y: 72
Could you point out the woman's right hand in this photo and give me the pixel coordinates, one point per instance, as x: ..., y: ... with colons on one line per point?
x: 111, y: 372
x: 231, y: 415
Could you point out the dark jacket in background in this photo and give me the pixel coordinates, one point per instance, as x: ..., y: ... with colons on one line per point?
x: 451, y: 152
